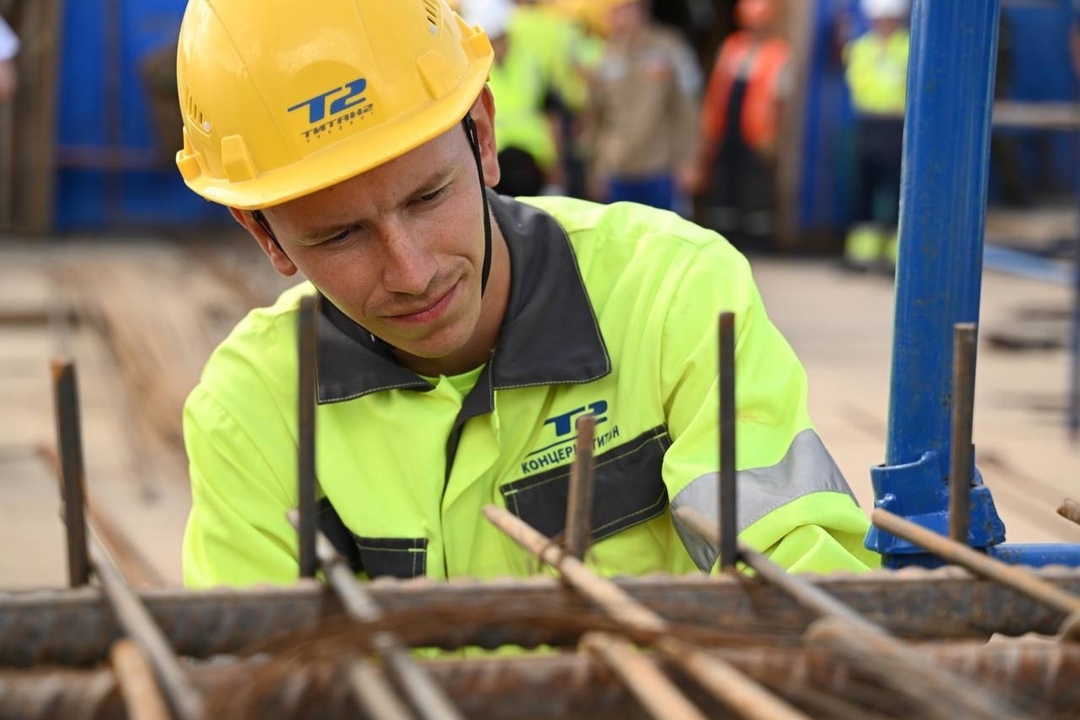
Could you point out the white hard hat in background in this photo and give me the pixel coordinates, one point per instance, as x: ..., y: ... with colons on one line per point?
x: 874, y: 9
x: 492, y: 15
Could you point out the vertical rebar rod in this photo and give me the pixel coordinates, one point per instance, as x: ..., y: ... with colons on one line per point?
x: 728, y: 506
x: 307, y: 389
x: 579, y: 503
x: 963, y: 413
x: 70, y: 453
x: 139, y: 625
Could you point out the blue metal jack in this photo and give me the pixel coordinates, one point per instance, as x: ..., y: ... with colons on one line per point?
x: 939, y: 279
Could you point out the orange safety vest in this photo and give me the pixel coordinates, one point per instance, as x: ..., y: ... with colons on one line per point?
x: 759, y: 116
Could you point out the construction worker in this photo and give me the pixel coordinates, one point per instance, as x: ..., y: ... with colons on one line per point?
x: 461, y: 333
x: 9, y: 48
x: 525, y: 131
x: 642, y: 117
x: 876, y: 73
x: 740, y: 119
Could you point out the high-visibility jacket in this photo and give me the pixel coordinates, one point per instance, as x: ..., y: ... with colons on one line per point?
x: 556, y: 43
x: 612, y: 311
x: 876, y: 73
x: 758, y: 121
x: 520, y: 91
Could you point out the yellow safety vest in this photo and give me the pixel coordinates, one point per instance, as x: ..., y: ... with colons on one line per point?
x: 612, y: 311
x: 876, y: 73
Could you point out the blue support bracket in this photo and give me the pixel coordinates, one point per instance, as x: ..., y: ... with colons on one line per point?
x: 951, y: 72
x: 919, y: 492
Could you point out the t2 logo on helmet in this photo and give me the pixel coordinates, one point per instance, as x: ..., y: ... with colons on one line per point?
x: 317, y: 105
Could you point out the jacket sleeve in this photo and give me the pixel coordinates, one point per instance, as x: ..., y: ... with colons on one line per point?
x: 237, y: 533
x: 793, y: 503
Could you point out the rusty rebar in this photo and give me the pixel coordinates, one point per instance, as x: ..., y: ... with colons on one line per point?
x: 652, y: 688
x: 728, y: 506
x: 984, y: 566
x: 139, y: 625
x: 74, y: 627
x: 307, y: 390
x: 427, y: 698
x: 135, y: 677
x: 963, y: 413
x: 935, y: 690
x: 72, y: 472
x: 742, y: 695
x: 1070, y: 510
x: 373, y: 693
x: 579, y: 503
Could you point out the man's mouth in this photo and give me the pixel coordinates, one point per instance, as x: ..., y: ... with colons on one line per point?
x: 427, y: 313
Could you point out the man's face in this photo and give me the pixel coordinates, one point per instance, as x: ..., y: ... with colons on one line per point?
x: 399, y: 249
x: 628, y: 18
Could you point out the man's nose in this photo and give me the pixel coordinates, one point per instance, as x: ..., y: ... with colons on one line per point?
x: 408, y: 264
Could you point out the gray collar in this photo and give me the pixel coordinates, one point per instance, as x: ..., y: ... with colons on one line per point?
x: 548, y: 336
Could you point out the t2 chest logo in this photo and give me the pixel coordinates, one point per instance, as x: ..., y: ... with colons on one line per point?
x: 560, y: 434
x: 333, y: 108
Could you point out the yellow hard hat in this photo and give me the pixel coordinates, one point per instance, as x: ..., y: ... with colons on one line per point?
x: 279, y: 101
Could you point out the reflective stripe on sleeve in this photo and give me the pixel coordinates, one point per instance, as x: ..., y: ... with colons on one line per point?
x: 806, y: 468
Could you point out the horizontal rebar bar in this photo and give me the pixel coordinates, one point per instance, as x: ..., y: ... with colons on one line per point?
x: 75, y: 627
x: 572, y: 686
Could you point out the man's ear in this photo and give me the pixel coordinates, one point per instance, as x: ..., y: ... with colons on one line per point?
x: 483, y: 114
x: 269, y: 245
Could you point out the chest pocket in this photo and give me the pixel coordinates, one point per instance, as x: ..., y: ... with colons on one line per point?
x: 629, y: 489
x: 402, y: 558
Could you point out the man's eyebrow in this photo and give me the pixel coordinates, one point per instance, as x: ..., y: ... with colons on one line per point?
x: 433, y: 182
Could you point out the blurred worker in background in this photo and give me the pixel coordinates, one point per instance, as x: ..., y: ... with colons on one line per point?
x: 9, y: 48
x: 642, y: 118
x: 740, y: 120
x: 525, y: 130
x: 876, y: 72
x: 461, y: 333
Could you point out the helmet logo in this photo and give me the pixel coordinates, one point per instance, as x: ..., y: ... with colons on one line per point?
x: 330, y: 105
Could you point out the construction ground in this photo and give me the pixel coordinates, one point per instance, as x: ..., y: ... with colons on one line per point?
x: 140, y: 315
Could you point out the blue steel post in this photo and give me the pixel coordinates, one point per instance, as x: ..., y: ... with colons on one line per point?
x: 939, y: 270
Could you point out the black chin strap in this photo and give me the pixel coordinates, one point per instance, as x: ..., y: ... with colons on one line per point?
x: 474, y: 141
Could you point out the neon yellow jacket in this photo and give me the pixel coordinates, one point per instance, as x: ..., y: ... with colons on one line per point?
x: 520, y: 90
x: 612, y: 311
x: 876, y: 73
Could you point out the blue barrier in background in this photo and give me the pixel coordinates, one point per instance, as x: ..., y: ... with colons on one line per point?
x: 110, y: 174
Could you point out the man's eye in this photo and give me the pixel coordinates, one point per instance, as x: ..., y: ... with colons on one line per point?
x: 339, y: 237
x: 431, y: 196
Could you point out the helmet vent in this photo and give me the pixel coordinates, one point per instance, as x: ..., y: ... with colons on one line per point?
x: 434, y: 13
x: 192, y: 110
